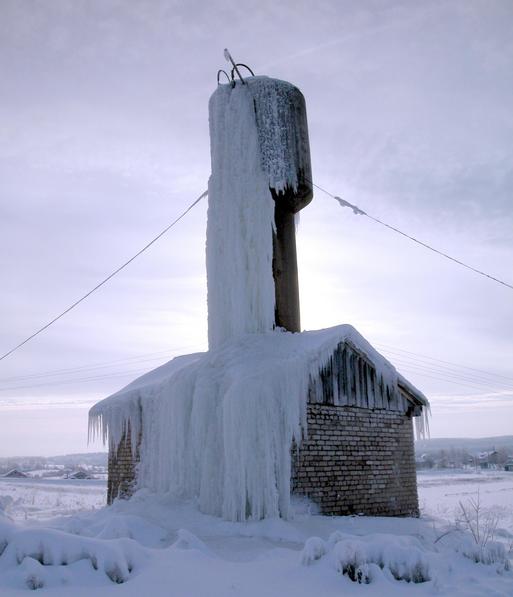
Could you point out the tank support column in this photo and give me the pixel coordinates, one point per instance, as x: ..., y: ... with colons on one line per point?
x: 287, y: 314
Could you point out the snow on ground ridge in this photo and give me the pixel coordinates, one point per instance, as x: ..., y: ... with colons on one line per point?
x: 159, y: 545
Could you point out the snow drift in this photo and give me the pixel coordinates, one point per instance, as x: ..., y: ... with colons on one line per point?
x: 37, y: 558
x: 365, y: 559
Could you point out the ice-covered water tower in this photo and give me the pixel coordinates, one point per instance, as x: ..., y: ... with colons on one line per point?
x: 261, y: 178
x: 265, y: 414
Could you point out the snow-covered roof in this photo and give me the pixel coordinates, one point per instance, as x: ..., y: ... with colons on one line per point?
x: 219, y: 425
x: 15, y: 473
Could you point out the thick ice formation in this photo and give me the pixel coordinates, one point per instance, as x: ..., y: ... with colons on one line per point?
x: 240, y: 222
x: 259, y: 139
x: 219, y: 426
x: 282, y: 132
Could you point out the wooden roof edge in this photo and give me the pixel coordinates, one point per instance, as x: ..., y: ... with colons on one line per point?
x: 416, y: 397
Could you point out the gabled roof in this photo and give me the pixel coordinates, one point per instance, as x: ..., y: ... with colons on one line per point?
x: 15, y: 473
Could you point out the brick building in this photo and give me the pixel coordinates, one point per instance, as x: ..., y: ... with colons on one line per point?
x: 356, y: 453
x: 268, y: 410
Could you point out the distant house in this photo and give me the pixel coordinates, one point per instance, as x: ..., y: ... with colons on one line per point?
x: 15, y: 474
x: 80, y: 475
x: 424, y: 461
x: 509, y: 466
x: 488, y: 459
x: 493, y: 457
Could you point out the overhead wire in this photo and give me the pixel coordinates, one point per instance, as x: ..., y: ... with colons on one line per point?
x: 53, y: 383
x: 451, y: 363
x: 105, y: 280
x: 400, y: 358
x: 433, y: 373
x: 421, y: 364
x: 357, y: 211
x: 142, y: 358
x: 416, y: 364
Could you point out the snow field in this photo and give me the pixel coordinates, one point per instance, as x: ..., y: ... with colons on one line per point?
x: 163, y: 546
x: 441, y: 491
x: 41, y: 499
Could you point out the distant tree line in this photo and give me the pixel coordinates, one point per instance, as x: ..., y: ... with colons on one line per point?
x: 459, y: 458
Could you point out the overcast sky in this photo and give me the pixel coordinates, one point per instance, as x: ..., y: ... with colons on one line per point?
x: 104, y: 140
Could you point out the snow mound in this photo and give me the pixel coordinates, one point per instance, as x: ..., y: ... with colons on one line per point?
x: 121, y: 526
x: 188, y: 540
x: 6, y: 502
x: 365, y: 559
x: 314, y: 549
x: 493, y: 553
x: 35, y: 558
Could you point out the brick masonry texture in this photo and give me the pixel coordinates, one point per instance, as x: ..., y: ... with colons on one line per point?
x: 353, y: 461
x: 122, y: 469
x: 357, y: 461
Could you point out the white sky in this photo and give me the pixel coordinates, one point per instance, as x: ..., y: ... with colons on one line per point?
x: 104, y: 140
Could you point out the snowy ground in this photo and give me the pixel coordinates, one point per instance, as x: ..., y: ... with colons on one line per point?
x: 162, y: 546
x: 440, y: 493
x: 34, y: 499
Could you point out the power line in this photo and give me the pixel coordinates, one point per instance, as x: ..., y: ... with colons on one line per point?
x: 360, y: 212
x: 356, y: 210
x: 449, y: 365
x: 441, y: 375
x: 57, y: 373
x: 105, y: 280
x: 417, y: 366
x: 102, y: 377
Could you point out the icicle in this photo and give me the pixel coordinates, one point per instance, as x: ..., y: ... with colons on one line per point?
x: 219, y: 426
x: 240, y: 222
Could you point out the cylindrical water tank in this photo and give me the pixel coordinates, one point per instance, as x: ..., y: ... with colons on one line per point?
x: 283, y: 136
x: 282, y: 127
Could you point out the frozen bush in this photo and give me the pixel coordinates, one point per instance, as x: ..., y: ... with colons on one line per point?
x: 398, y: 557
x: 351, y: 561
x: 364, y: 559
x: 33, y: 548
x: 493, y: 553
x: 33, y: 582
x: 313, y: 550
x: 482, y: 526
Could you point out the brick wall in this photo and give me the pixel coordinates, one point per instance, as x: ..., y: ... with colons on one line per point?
x: 354, y: 460
x: 122, y: 468
x: 357, y: 460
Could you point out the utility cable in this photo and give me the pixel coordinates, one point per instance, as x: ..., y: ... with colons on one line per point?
x: 401, y: 364
x: 105, y: 280
x: 357, y: 211
x: 133, y: 373
x: 477, y: 374
x: 141, y: 358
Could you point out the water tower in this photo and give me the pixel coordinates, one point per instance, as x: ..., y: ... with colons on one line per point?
x: 272, y: 147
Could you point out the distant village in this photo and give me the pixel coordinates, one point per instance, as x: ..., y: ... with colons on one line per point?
x: 457, y: 458
x: 72, y: 466
x: 94, y: 465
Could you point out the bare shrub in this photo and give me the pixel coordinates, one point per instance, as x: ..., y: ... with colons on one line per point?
x: 482, y: 526
x: 33, y: 582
